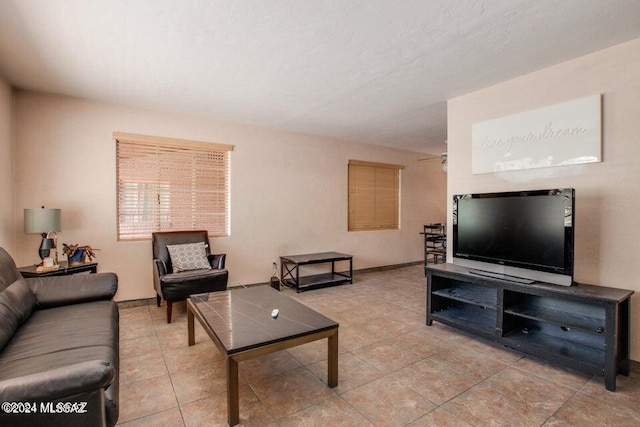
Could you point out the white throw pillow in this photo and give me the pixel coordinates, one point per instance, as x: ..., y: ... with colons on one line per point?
x: 189, y: 256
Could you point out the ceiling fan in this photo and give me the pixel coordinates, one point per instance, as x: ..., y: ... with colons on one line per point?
x: 442, y: 157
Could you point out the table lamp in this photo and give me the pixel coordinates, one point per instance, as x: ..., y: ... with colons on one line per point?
x: 45, y: 222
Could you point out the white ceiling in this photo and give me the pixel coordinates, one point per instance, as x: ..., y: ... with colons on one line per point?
x: 375, y: 71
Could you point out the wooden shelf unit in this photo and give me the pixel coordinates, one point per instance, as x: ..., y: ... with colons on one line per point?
x: 582, y: 327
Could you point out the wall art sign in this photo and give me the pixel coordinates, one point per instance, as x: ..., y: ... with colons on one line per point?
x: 568, y: 133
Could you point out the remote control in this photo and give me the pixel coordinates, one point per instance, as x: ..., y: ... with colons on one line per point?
x: 275, y: 313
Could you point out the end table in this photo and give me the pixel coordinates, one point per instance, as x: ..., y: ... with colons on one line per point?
x: 63, y: 270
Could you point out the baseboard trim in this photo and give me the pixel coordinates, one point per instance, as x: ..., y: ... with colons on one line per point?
x: 387, y: 267
x: 136, y: 302
x: 355, y: 272
x: 148, y: 301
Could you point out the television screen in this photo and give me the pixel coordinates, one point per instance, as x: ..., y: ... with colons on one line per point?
x: 531, y: 230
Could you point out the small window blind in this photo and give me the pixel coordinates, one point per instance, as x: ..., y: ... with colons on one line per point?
x: 167, y: 184
x: 374, y: 196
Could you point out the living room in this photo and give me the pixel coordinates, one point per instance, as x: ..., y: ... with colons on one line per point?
x: 289, y: 188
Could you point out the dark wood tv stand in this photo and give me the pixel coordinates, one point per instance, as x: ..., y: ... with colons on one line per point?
x: 582, y: 327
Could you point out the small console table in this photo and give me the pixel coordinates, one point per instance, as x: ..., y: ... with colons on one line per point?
x: 290, y: 270
x: 583, y: 327
x: 63, y: 270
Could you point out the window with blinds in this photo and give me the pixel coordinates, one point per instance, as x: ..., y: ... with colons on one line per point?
x: 167, y: 184
x: 374, y: 196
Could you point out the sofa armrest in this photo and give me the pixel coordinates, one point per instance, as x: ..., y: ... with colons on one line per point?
x: 161, y: 267
x: 75, y: 395
x: 217, y: 260
x: 58, y: 383
x: 73, y: 289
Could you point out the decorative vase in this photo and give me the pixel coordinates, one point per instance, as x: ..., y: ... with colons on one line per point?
x: 77, y: 257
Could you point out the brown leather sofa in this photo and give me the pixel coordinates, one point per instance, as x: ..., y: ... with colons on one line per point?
x: 178, y: 286
x: 58, y: 349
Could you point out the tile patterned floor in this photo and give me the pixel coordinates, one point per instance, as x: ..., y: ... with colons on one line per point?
x: 394, y: 371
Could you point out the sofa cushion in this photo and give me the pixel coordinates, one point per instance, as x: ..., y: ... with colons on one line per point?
x: 16, y: 304
x: 62, y: 336
x: 188, y: 256
x: 8, y: 271
x: 57, y: 291
x: 179, y: 286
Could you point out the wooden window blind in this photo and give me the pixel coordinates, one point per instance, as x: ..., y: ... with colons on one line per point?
x: 374, y: 196
x: 167, y: 184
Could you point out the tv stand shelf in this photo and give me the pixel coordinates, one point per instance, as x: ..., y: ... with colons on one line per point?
x: 560, y: 318
x: 470, y: 294
x: 583, y: 327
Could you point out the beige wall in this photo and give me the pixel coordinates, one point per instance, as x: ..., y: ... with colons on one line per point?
x: 288, y: 191
x: 6, y: 175
x: 607, y: 193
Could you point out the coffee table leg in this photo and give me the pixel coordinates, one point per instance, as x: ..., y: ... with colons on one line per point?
x: 332, y: 363
x: 233, y: 404
x: 190, y: 327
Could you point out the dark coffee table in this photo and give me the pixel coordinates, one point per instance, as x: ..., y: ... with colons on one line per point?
x: 240, y: 324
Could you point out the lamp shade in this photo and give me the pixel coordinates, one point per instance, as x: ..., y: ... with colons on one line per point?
x: 41, y: 220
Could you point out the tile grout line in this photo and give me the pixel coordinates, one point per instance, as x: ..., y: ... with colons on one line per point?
x: 162, y: 352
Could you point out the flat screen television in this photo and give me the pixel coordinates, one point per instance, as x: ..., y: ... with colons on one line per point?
x: 522, y: 236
